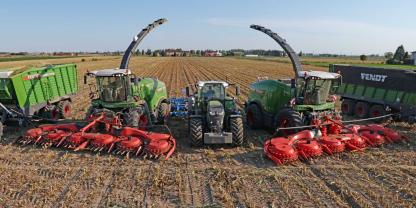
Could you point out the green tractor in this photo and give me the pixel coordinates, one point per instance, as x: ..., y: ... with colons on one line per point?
x: 136, y: 101
x: 294, y: 102
x: 213, y: 115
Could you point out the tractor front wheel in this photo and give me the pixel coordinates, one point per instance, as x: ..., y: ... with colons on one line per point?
x: 254, y: 117
x: 196, y: 132
x: 288, y: 117
x: 162, y: 113
x: 237, y: 130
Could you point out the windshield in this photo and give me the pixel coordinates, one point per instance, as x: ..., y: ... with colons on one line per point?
x: 316, y: 91
x: 112, y: 89
x: 213, y: 91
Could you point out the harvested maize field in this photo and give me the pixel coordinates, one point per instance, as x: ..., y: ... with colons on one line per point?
x: 201, y: 177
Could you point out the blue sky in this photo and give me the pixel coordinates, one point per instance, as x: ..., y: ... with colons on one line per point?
x: 345, y: 27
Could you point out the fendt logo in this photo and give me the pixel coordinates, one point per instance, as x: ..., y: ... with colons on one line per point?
x: 38, y: 76
x: 373, y: 77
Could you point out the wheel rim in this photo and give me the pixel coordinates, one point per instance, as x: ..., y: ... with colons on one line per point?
x: 376, y: 113
x: 67, y: 111
x: 284, y: 122
x: 54, y: 114
x: 143, y: 121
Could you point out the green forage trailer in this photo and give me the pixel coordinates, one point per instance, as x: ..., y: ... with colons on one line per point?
x: 44, y: 92
x: 369, y: 91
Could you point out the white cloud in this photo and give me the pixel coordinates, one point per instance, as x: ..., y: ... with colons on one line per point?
x: 335, y: 36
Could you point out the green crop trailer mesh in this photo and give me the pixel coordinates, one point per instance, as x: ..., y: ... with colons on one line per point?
x: 40, y: 85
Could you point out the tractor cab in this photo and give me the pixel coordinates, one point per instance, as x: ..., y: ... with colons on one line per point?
x: 213, y: 92
x: 113, y: 85
x: 209, y: 90
x: 316, y: 87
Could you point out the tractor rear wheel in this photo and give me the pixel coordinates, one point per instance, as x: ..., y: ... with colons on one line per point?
x: 196, y: 132
x: 254, y: 117
x: 288, y: 117
x: 64, y: 109
x: 162, y: 113
x: 347, y: 107
x: 237, y: 130
x: 361, y: 110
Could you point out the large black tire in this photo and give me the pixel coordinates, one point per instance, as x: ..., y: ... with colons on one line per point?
x: 361, y: 110
x: 378, y: 110
x: 196, y: 132
x: 237, y: 130
x: 287, y: 117
x: 64, y: 109
x: 1, y: 130
x: 347, y: 106
x: 254, y: 116
x: 163, y: 113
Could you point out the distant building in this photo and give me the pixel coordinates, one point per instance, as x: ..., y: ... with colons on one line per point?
x: 414, y: 57
x: 251, y: 55
x: 213, y: 53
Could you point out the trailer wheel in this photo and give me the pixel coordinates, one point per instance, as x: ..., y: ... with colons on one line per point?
x: 237, y: 130
x: 162, y: 113
x: 361, y: 110
x: 196, y: 132
x: 254, y: 116
x: 378, y: 110
x: 347, y: 106
x: 288, y: 117
x: 64, y: 109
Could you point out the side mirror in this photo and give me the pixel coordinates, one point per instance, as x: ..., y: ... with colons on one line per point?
x: 237, y: 90
x: 188, y: 93
x: 136, y: 81
x: 85, y: 79
x: 292, y: 83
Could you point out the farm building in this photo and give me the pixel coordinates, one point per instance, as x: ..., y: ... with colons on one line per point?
x: 213, y: 53
x: 414, y: 57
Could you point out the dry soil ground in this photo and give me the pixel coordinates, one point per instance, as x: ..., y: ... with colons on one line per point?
x: 206, y: 177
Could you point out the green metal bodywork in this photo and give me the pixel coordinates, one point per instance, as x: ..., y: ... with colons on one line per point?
x: 151, y: 90
x: 38, y: 86
x: 273, y: 95
x: 380, y: 95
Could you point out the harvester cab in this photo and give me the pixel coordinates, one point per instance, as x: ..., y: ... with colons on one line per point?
x: 213, y: 115
x: 137, y: 101
x: 299, y: 101
x: 316, y: 87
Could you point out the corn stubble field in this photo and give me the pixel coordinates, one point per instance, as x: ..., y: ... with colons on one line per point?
x: 206, y: 177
